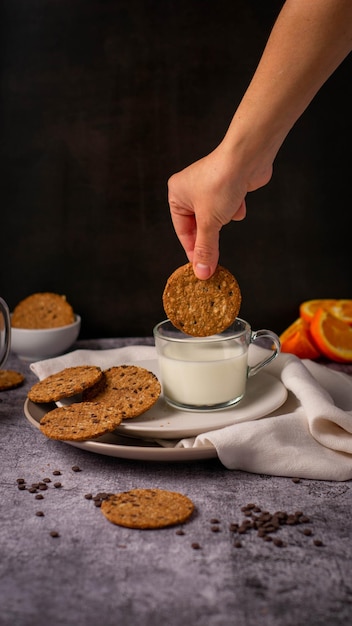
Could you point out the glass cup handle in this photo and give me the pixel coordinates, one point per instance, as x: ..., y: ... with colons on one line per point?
x: 5, y: 328
x: 275, y: 349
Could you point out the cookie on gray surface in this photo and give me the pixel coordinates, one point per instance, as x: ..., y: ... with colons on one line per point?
x: 80, y: 421
x: 65, y: 384
x: 201, y: 307
x: 10, y: 379
x: 42, y: 310
x: 129, y: 388
x: 147, y: 508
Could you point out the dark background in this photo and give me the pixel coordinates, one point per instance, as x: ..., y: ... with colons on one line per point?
x: 100, y: 103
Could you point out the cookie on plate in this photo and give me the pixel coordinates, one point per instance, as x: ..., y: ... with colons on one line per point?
x: 43, y: 310
x: 10, y: 379
x: 80, y: 421
x: 201, y: 307
x: 147, y: 508
x: 129, y: 388
x: 65, y: 384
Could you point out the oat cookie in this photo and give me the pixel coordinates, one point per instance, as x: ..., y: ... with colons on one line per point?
x: 129, y: 388
x: 42, y: 310
x: 9, y: 379
x: 201, y: 307
x: 65, y: 384
x: 80, y: 421
x: 147, y: 508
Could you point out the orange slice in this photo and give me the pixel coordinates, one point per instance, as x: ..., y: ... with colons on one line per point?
x: 309, y: 307
x: 343, y: 310
x: 332, y: 336
x: 297, y: 340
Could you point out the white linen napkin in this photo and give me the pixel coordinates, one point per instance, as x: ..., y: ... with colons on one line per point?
x: 309, y: 436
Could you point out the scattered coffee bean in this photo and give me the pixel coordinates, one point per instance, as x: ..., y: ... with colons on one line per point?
x: 46, y: 480
x: 214, y: 520
x: 195, y: 546
x: 267, y: 524
x: 237, y: 544
x: 318, y: 543
x: 54, y: 533
x: 57, y: 485
x: 278, y: 542
x: 20, y: 481
x: 21, y: 486
x: 56, y: 473
x: 179, y: 531
x: 99, y: 497
x: 296, y: 480
x: 39, y: 513
x: 215, y: 529
x: 75, y: 468
x: 39, y: 496
x: 88, y: 496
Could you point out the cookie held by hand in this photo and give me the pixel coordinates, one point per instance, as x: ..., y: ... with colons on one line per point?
x: 201, y: 307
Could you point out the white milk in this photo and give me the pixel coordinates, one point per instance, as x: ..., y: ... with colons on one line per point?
x: 203, y: 374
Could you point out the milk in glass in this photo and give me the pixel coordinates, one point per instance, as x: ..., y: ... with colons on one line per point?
x: 205, y: 373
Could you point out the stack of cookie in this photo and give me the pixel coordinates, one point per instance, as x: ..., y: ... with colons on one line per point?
x: 107, y: 397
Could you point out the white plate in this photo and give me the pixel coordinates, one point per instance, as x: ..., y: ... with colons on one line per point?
x: 264, y: 394
x: 124, y: 447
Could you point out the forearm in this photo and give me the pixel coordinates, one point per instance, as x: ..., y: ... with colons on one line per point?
x: 308, y: 42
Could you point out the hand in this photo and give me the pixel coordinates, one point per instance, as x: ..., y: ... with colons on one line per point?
x: 203, y: 198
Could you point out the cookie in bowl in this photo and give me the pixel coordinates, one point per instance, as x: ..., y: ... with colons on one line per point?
x: 43, y: 325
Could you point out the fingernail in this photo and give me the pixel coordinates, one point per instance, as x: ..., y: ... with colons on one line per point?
x: 202, y: 271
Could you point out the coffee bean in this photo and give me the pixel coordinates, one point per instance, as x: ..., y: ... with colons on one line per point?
x: 56, y: 473
x: 318, y: 543
x: 195, y: 546
x: 278, y: 542
x: 39, y: 513
x: 57, y: 485
x: 75, y: 468
x: 54, y: 533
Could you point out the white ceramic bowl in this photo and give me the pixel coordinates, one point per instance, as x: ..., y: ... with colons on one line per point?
x: 36, y: 344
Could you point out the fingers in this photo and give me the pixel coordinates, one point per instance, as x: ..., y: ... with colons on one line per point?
x: 206, y: 246
x: 186, y: 230
x: 206, y: 252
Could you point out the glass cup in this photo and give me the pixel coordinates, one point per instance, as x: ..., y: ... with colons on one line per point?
x: 208, y: 373
x: 5, y: 331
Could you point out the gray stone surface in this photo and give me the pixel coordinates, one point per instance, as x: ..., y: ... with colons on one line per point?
x: 98, y: 573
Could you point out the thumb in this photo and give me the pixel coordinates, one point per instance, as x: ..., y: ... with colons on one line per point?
x: 206, y: 254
